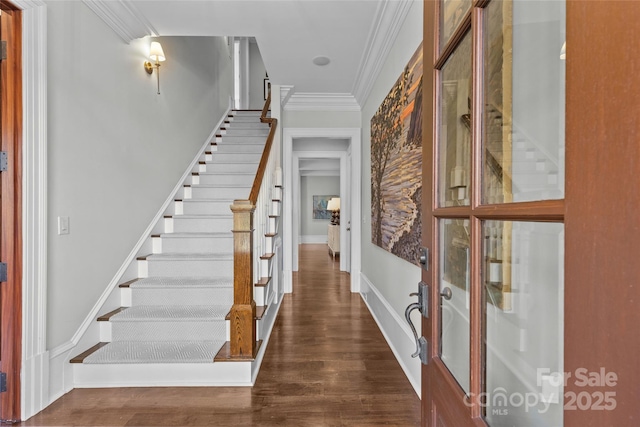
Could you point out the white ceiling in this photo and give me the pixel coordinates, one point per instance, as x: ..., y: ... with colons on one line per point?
x: 355, y: 34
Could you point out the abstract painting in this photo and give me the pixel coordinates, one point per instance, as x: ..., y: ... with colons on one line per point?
x: 320, y: 207
x: 396, y: 165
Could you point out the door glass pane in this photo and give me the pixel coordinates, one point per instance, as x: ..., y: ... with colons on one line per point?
x: 454, y: 131
x: 523, y: 273
x: 454, y: 307
x: 524, y: 90
x: 451, y: 14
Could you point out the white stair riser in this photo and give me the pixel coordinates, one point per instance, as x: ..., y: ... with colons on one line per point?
x: 219, y: 157
x: 273, y: 225
x: 203, y: 192
x: 265, y: 267
x: 189, y: 268
x: 200, y: 207
x: 268, y: 244
x: 275, y: 207
x: 245, y: 118
x: 231, y: 167
x: 239, y: 131
x: 276, y: 193
x: 167, y: 330
x: 209, y: 245
x: 202, y: 225
x: 182, y: 296
x: 162, y: 374
x: 237, y: 139
x: 225, y: 178
x: 261, y: 294
x: 244, y: 125
x: 239, y: 148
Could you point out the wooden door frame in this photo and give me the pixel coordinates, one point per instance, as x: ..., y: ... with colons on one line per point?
x: 602, y: 235
x: 11, y: 236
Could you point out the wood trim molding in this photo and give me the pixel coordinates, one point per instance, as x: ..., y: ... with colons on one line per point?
x: 11, y: 236
x: 35, y: 357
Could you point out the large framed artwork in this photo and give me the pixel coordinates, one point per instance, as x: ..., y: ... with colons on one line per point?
x: 396, y: 165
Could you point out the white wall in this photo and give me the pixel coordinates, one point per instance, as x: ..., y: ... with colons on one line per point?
x: 116, y: 148
x: 311, y: 230
x: 257, y: 75
x: 387, y: 279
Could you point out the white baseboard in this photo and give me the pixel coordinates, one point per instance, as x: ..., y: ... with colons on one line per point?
x: 322, y: 238
x: 60, y: 371
x: 395, y: 330
x: 35, y: 381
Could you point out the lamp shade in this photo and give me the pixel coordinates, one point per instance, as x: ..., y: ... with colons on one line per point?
x: 334, y: 204
x: 155, y: 52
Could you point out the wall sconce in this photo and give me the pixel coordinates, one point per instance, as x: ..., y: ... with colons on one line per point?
x: 334, y: 207
x: 155, y: 54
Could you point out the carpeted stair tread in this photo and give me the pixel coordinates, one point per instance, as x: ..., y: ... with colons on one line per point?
x: 156, y: 352
x: 186, y: 282
x: 190, y: 257
x: 176, y: 313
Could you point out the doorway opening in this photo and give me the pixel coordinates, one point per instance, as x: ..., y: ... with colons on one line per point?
x: 324, y: 148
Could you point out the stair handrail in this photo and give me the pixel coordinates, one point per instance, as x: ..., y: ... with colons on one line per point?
x: 262, y: 167
x: 247, y: 249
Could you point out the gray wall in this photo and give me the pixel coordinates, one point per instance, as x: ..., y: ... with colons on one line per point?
x: 315, y: 186
x: 392, y: 276
x: 116, y: 148
x: 257, y: 74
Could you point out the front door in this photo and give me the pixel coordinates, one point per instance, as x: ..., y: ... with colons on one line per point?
x: 533, y: 291
x: 10, y: 211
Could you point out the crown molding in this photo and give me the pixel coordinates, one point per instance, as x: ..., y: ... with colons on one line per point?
x: 285, y: 93
x: 28, y: 4
x: 123, y: 18
x: 384, y: 30
x: 322, y: 102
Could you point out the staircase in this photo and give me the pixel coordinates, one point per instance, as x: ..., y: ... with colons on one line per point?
x: 173, y: 327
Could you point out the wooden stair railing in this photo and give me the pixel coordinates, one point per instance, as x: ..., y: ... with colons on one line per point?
x: 243, y: 343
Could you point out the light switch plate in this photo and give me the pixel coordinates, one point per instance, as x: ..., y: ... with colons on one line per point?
x: 63, y: 225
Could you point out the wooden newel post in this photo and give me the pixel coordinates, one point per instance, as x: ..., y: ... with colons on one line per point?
x: 243, y: 311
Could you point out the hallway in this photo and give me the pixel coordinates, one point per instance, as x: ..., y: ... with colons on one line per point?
x: 327, y: 364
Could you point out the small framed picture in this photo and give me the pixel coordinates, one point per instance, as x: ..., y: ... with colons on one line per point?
x: 267, y: 88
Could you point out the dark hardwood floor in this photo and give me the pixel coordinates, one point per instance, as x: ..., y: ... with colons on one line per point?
x: 327, y: 364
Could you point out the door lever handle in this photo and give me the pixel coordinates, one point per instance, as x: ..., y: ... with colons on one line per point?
x: 423, y: 306
x: 407, y: 315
